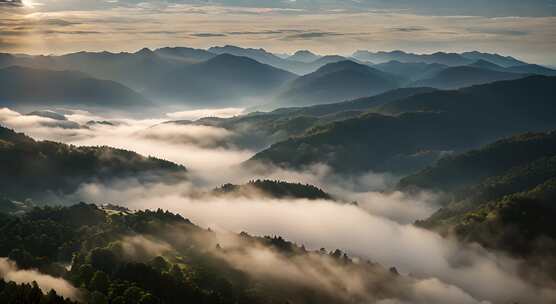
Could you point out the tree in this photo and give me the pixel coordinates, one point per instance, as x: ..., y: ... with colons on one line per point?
x: 100, y: 282
x: 97, y: 298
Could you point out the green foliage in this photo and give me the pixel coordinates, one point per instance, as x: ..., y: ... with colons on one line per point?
x: 109, y: 265
x: 275, y: 189
x: 502, y: 196
x: 28, y: 166
x: 406, y: 135
x: 28, y: 294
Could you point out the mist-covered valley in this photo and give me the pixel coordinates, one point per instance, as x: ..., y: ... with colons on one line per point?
x: 238, y: 175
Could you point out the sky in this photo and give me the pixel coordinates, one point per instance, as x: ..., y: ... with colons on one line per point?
x: 523, y: 29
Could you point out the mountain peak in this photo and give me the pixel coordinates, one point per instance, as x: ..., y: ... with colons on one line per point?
x: 144, y: 51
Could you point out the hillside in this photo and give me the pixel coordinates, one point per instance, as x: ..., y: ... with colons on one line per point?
x: 464, y: 76
x: 410, y: 71
x: 273, y: 189
x: 336, y: 82
x: 501, y: 196
x: 39, y: 169
x: 425, y: 126
x: 20, y: 86
x: 125, y: 256
x: 219, y: 79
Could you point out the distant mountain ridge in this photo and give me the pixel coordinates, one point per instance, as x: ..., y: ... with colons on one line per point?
x: 342, y: 80
x: 219, y: 79
x: 450, y: 59
x: 22, y: 86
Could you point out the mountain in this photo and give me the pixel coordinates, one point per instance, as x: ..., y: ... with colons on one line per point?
x: 338, y: 81
x: 259, y: 55
x: 304, y: 56
x: 415, y: 131
x: 28, y: 167
x: 188, y: 55
x: 136, y: 70
x: 258, y: 130
x: 450, y: 59
x: 501, y: 196
x: 487, y: 65
x: 220, y: 79
x: 453, y: 174
x: 262, y: 56
x: 464, y: 76
x: 364, y: 104
x: 532, y: 69
x: 21, y: 86
x: 503, y: 61
x: 411, y: 71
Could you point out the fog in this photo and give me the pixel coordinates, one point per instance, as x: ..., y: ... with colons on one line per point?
x: 377, y: 228
x: 10, y: 272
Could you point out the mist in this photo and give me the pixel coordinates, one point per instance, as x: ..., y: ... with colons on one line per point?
x: 10, y: 272
x: 377, y: 228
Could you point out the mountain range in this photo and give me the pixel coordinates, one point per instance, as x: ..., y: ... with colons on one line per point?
x: 181, y: 76
x: 406, y: 134
x: 22, y: 86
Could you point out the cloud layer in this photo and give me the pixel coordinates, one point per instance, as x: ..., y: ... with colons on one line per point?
x: 10, y: 272
x: 522, y: 29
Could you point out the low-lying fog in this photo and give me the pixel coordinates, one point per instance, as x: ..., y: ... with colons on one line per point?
x: 378, y: 228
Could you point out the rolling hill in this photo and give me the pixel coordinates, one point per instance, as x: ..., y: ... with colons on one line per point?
x: 219, y: 79
x: 413, y: 132
x: 336, y: 82
x: 41, y: 170
x: 501, y: 196
x: 21, y: 86
x: 464, y: 76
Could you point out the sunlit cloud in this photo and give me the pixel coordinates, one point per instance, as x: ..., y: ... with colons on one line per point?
x: 127, y: 26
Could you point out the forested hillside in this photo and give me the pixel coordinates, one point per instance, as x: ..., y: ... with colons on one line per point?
x: 37, y: 169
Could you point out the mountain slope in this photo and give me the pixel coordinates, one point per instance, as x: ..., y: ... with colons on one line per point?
x: 219, y: 79
x: 425, y: 127
x: 450, y: 59
x: 21, y: 86
x: 501, y: 196
x: 304, y: 56
x: 504, y: 61
x: 37, y: 169
x: 464, y: 76
x: 338, y: 81
x: 411, y: 71
x: 273, y: 189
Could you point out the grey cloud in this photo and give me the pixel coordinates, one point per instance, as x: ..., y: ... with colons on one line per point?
x: 269, y: 32
x: 11, y: 2
x: 59, y: 22
x: 208, y: 35
x: 498, y: 31
x: 70, y: 32
x: 312, y: 35
x: 409, y: 29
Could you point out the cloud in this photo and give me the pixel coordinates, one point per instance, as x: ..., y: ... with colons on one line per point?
x: 139, y: 247
x: 318, y: 223
x: 11, y: 2
x: 208, y: 35
x: 10, y: 272
x: 312, y: 35
x: 378, y: 228
x: 200, y: 113
x: 498, y: 31
x: 409, y: 29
